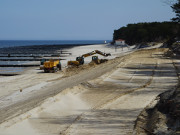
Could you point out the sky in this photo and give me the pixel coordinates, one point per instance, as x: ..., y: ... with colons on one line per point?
x: 75, y: 19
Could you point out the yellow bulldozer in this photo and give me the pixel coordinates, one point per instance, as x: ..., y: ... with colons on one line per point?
x: 52, y: 66
x: 80, y: 59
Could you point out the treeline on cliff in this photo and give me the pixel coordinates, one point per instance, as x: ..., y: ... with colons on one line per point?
x: 147, y: 32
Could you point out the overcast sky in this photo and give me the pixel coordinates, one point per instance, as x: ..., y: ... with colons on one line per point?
x: 75, y: 19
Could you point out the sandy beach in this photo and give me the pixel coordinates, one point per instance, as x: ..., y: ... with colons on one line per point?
x: 92, y: 99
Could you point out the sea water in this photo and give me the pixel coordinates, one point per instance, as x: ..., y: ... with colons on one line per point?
x: 20, y: 47
x: 13, y: 43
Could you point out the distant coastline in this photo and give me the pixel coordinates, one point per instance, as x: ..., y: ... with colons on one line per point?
x: 17, y: 43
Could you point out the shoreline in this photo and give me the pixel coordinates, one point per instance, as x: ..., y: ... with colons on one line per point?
x: 36, y: 53
x: 49, y: 45
x: 16, y: 56
x: 26, y: 43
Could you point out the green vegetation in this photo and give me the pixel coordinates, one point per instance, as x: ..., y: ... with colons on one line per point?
x: 176, y: 9
x: 167, y: 32
x: 147, y: 32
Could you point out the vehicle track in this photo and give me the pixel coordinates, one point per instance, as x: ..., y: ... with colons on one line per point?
x: 104, y: 100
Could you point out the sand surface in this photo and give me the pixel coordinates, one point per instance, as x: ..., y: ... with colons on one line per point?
x: 99, y: 99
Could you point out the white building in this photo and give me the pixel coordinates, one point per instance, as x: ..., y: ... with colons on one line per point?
x: 120, y: 42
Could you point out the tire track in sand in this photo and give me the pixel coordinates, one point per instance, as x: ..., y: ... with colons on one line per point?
x: 82, y: 116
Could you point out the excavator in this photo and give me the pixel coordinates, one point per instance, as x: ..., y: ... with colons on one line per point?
x: 96, y: 60
x: 80, y: 59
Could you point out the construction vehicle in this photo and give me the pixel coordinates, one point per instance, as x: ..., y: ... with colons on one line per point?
x: 42, y: 64
x: 80, y: 59
x: 96, y: 60
x: 52, y: 66
x: 103, y: 54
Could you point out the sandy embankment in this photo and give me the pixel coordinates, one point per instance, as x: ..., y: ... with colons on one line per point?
x: 103, y: 102
x: 35, y: 82
x: 35, y: 79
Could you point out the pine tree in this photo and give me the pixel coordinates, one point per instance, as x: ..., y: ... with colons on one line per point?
x: 176, y: 9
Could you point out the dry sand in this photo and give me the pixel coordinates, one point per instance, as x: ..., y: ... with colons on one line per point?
x: 102, y: 99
